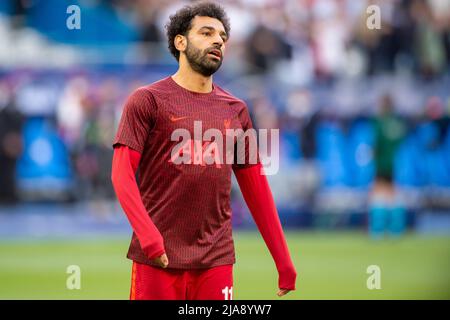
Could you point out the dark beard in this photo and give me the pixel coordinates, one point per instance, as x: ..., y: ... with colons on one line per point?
x: 200, y: 62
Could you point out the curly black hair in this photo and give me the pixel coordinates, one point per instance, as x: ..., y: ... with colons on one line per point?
x: 180, y: 22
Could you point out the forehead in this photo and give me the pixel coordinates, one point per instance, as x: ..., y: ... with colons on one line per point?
x: 199, y: 22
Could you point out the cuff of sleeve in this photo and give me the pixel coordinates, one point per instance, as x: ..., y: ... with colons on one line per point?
x: 157, y: 254
x: 153, y: 251
x: 287, y: 280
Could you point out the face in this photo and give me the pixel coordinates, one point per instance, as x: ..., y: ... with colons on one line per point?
x: 205, y: 45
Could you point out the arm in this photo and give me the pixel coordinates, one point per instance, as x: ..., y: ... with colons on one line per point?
x: 256, y: 191
x: 124, y: 166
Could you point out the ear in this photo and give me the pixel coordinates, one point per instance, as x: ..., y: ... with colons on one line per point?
x: 180, y: 42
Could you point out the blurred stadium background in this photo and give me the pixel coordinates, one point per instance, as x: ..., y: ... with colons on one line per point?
x: 308, y: 67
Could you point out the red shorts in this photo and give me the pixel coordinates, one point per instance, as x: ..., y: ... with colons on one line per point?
x: 154, y: 283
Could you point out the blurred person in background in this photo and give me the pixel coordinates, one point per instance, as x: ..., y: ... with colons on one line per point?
x: 11, y: 123
x: 386, y: 211
x: 431, y: 36
x: 266, y: 46
x: 439, y: 117
x: 433, y: 138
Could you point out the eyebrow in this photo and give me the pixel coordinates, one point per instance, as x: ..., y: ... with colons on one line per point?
x: 212, y: 29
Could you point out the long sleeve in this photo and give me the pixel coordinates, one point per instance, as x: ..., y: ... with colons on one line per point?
x: 258, y: 196
x: 124, y: 166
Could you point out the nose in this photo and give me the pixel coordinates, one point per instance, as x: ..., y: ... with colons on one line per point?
x: 218, y: 41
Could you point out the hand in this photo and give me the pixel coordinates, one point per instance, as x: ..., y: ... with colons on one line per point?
x: 162, y: 261
x: 286, y: 279
x: 282, y: 292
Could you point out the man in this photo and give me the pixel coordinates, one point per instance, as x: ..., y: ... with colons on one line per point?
x: 11, y: 124
x: 182, y: 245
x: 386, y: 210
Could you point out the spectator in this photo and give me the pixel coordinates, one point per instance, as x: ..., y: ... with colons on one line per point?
x: 386, y: 212
x: 11, y: 123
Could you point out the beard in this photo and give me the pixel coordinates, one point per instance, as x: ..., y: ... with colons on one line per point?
x: 200, y: 61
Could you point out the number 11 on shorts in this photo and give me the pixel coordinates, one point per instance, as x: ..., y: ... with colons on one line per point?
x: 228, y: 293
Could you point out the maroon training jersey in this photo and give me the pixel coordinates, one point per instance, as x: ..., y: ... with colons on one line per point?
x: 188, y: 203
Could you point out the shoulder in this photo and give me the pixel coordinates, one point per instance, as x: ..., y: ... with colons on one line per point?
x: 159, y: 89
x: 140, y: 98
x: 141, y: 102
x: 231, y: 99
x: 152, y: 93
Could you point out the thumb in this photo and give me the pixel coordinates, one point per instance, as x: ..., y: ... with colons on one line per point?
x: 164, y: 260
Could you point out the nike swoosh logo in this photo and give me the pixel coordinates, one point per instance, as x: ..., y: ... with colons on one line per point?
x: 173, y: 119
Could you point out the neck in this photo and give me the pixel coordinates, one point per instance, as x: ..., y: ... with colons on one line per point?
x: 187, y: 78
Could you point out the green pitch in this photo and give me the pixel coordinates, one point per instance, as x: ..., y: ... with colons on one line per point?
x: 329, y: 265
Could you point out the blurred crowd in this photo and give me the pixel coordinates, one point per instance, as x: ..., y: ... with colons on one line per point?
x: 311, y: 68
x: 318, y: 39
